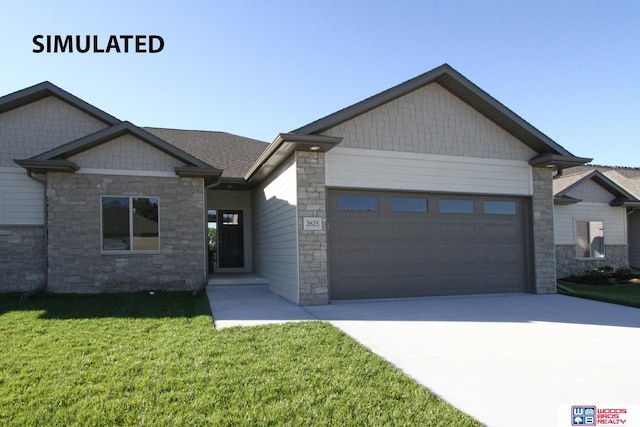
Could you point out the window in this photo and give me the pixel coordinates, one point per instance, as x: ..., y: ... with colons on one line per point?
x: 590, y: 239
x: 357, y: 203
x: 458, y: 206
x: 492, y: 207
x: 130, y: 224
x: 230, y: 218
x: 408, y: 204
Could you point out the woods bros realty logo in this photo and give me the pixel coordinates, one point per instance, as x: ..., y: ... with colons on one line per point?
x: 589, y: 415
x: 94, y: 44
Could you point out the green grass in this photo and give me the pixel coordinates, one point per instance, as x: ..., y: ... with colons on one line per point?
x: 617, y: 294
x: 156, y: 360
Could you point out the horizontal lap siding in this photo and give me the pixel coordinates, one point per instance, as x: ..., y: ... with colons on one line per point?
x: 349, y: 167
x: 615, y: 222
x: 21, y: 198
x: 275, y: 244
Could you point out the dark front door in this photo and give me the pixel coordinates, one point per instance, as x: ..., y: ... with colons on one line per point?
x: 230, y: 239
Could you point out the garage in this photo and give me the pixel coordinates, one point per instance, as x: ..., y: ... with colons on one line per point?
x: 386, y: 244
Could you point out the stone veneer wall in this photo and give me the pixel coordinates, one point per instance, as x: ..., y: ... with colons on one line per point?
x: 543, y: 237
x: 568, y: 265
x: 312, y: 245
x: 22, y: 257
x: 76, y: 264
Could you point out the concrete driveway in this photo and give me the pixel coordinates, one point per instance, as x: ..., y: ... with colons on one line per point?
x: 507, y: 360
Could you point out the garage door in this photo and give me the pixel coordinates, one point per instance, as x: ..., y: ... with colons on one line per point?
x: 388, y: 244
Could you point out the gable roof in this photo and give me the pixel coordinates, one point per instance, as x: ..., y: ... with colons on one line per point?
x: 563, y: 184
x: 46, y: 89
x: 467, y: 91
x: 233, y: 154
x: 56, y: 159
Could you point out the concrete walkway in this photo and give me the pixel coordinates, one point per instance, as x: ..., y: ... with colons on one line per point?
x: 250, y: 305
x: 506, y: 360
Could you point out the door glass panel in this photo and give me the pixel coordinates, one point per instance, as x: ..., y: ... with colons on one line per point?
x: 357, y: 203
x: 408, y: 204
x: 230, y: 218
x: 461, y: 206
x: 495, y: 207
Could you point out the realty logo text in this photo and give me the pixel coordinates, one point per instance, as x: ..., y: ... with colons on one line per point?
x: 589, y: 415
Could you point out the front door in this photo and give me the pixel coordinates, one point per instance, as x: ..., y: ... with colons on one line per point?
x: 230, y: 239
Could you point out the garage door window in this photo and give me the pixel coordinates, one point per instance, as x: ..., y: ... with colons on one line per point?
x: 495, y: 207
x: 408, y: 204
x: 358, y: 203
x: 456, y: 206
x: 590, y: 239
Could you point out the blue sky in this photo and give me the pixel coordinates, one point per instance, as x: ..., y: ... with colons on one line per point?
x: 257, y: 68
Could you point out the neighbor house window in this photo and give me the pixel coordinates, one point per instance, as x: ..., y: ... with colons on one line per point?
x: 590, y: 239
x: 130, y: 224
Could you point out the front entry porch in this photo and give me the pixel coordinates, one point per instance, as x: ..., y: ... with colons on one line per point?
x: 232, y: 279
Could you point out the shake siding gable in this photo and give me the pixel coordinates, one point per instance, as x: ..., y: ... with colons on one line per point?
x: 41, y: 126
x: 434, y: 121
x: 275, y: 240
x: 589, y: 191
x: 126, y: 153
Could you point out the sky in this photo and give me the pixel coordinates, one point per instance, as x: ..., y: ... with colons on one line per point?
x: 259, y: 68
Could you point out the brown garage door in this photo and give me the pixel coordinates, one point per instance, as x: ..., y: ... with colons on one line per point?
x: 388, y: 244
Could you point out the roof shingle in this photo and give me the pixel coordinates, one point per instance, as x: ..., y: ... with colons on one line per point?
x: 233, y: 154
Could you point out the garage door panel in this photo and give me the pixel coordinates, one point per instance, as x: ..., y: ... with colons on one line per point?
x: 385, y: 253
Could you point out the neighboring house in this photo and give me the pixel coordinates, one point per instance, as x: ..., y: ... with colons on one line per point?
x: 597, y: 221
x: 431, y: 187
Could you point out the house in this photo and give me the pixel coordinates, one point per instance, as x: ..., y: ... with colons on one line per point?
x: 431, y: 187
x: 596, y: 218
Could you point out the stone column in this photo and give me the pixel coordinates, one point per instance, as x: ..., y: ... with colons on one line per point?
x: 312, y: 241
x: 543, y: 238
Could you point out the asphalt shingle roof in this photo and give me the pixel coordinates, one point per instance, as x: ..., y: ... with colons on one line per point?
x: 233, y: 154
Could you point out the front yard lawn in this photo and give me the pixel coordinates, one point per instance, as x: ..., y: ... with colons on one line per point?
x: 625, y: 294
x: 156, y: 360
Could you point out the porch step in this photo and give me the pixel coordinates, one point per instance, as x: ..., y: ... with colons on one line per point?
x: 227, y: 279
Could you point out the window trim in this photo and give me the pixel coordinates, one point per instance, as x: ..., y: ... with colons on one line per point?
x: 604, y: 246
x: 130, y: 250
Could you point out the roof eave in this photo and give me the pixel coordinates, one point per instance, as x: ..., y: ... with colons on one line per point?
x: 458, y: 85
x: 282, y: 147
x: 557, y: 161
x: 46, y: 89
x: 44, y: 166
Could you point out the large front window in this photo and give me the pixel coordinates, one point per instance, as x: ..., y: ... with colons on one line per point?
x: 130, y: 224
x: 590, y: 239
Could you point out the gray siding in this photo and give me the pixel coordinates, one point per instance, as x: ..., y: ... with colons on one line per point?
x: 589, y: 191
x: 275, y: 245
